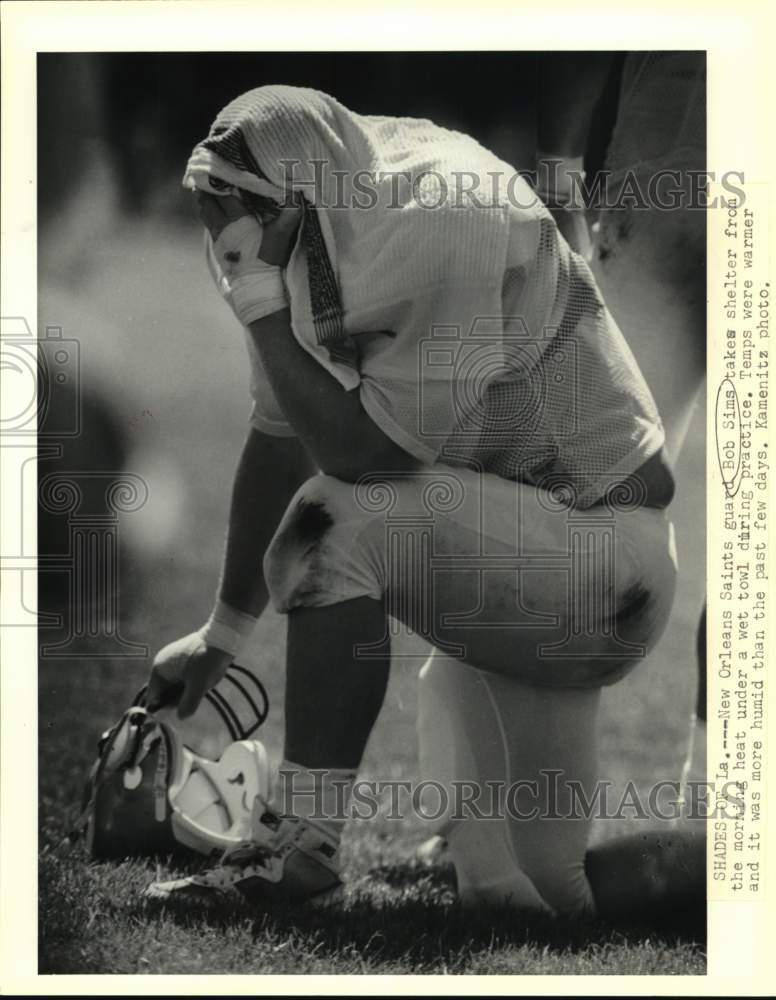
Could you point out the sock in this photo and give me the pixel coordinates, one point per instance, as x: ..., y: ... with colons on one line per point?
x: 319, y: 794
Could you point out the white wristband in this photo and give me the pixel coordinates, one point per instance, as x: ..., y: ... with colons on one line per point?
x: 252, y: 287
x: 228, y: 629
x: 258, y: 295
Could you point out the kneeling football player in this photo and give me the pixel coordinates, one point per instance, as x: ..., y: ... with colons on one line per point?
x: 490, y: 470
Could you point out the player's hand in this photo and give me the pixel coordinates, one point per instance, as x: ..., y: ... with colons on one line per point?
x: 184, y: 671
x: 241, y: 255
x: 278, y: 235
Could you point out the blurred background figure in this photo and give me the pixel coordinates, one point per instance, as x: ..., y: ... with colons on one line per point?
x: 92, y: 461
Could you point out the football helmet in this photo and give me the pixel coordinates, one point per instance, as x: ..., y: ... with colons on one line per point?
x: 160, y: 785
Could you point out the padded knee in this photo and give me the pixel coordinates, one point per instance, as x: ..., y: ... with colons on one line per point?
x: 316, y: 556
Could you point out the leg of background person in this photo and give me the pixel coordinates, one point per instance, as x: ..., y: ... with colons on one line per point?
x: 650, y: 266
x: 694, y: 771
x: 700, y: 706
x: 650, y: 257
x: 650, y: 269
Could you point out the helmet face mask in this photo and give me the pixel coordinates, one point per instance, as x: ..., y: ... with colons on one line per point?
x: 152, y: 791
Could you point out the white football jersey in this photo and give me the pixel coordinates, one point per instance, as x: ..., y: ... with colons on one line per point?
x: 549, y: 388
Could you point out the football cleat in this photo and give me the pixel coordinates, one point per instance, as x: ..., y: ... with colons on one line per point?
x: 288, y: 859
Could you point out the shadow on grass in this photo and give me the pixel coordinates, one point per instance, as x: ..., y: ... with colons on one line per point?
x: 408, y: 912
x: 93, y: 919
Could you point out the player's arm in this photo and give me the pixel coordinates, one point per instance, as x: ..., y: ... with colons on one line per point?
x: 330, y: 425
x: 569, y: 86
x: 341, y: 437
x: 269, y: 472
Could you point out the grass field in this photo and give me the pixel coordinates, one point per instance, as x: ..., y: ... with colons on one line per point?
x: 155, y: 336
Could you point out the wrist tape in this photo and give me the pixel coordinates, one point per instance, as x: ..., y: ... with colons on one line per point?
x: 228, y: 629
x: 258, y: 296
x: 252, y: 287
